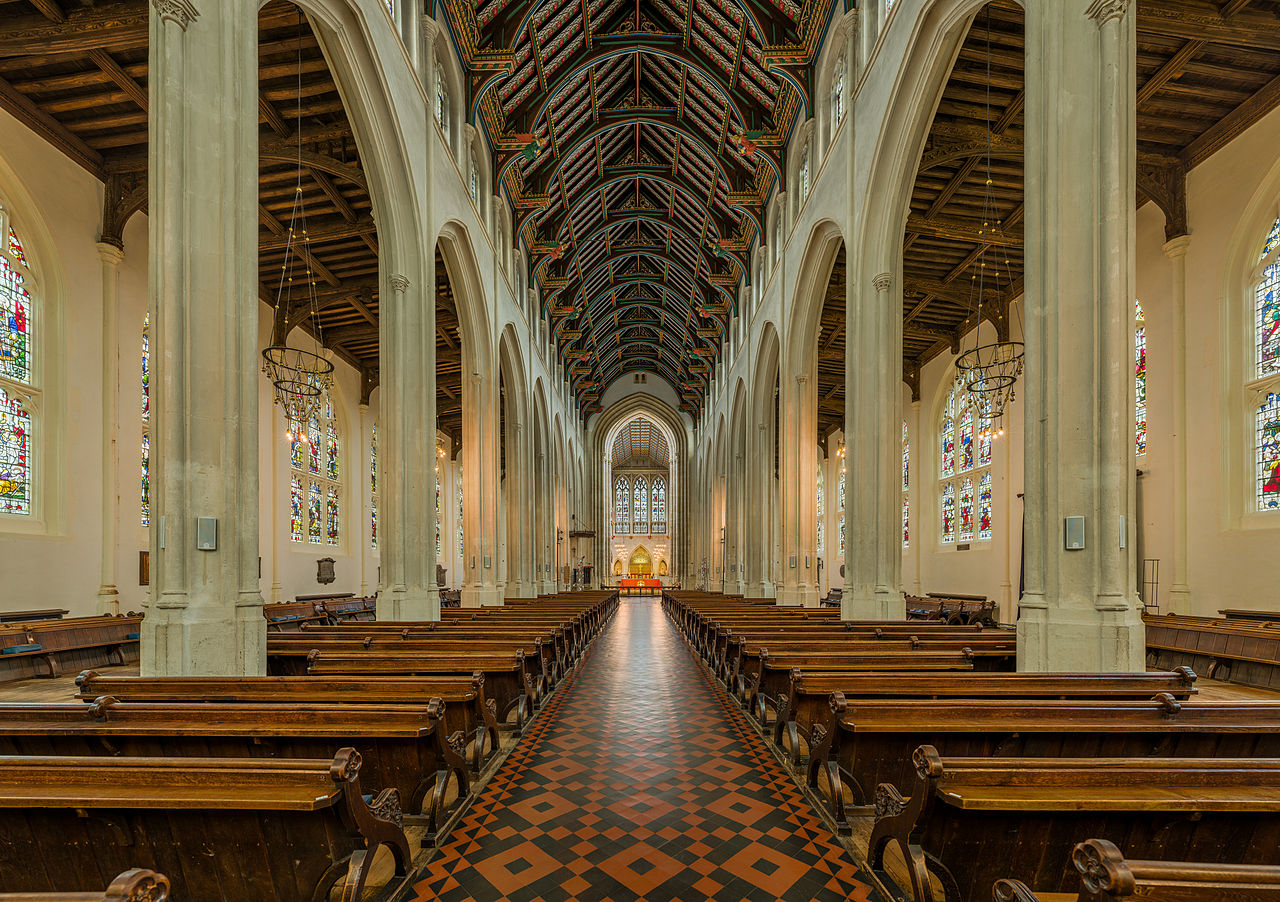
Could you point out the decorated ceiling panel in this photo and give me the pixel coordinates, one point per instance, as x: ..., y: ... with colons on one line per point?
x: 638, y: 141
x: 640, y: 443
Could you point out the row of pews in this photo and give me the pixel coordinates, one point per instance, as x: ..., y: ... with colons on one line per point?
x: 316, y: 785
x: 1240, y: 647
x: 971, y: 780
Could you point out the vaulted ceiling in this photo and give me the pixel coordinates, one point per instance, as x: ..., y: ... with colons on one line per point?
x: 638, y: 141
x: 640, y: 444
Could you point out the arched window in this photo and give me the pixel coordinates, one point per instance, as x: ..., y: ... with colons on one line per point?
x: 622, y: 508
x: 1140, y: 369
x: 640, y: 507
x: 821, y: 512
x: 964, y: 470
x: 473, y: 178
x: 18, y: 392
x: 146, y: 421
x: 462, y: 553
x: 316, y: 483
x: 442, y: 99
x: 837, y: 94
x: 373, y: 489
x: 840, y: 509
x: 1267, y: 375
x: 658, y: 525
x: 803, y: 179
x: 906, y: 484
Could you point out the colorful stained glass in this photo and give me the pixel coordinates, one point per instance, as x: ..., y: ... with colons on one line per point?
x: 804, y: 176
x: 966, y: 510
x: 15, y: 248
x: 1268, y: 453
x: 439, y: 547
x: 1272, y: 242
x: 474, y: 180
x: 146, y: 479
x: 295, y: 509
x: 15, y: 456
x: 146, y: 368
x: 1140, y: 375
x: 947, y: 446
x: 966, y: 440
x: 837, y: 93
x: 373, y: 462
x: 840, y: 511
x: 315, y: 514
x: 1267, y: 321
x: 640, y: 506
x: 984, y: 507
x: 948, y: 513
x: 659, y: 523
x: 313, y: 446
x: 442, y: 97
x: 15, y: 325
x: 821, y: 510
x: 906, y: 458
x: 332, y: 518
x: 984, y: 444
x: 906, y: 522
x: 622, y: 508
x: 297, y: 446
x: 461, y: 546
x: 373, y: 522
x: 331, y: 451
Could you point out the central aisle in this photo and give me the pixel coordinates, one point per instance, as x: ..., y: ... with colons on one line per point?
x: 641, y: 780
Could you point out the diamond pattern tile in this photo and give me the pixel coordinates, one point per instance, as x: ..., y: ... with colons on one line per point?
x: 642, y: 781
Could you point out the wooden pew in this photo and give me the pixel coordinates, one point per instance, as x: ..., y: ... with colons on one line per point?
x: 1220, y: 649
x: 466, y: 708
x: 971, y: 821
x: 809, y: 699
x: 952, y: 608
x: 506, y: 678
x: 286, y: 830
x: 870, y: 741
x: 352, y: 608
x: 291, y: 615
x: 134, y: 885
x: 47, y: 648
x: 1258, y: 616
x: 36, y: 614
x: 404, y: 747
x: 1105, y: 875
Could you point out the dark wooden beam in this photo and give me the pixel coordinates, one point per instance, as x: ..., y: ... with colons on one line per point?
x: 106, y: 26
x: 112, y: 70
x: 323, y: 233
x: 25, y: 111
x: 1232, y: 125
x: 50, y: 10
x: 1171, y: 19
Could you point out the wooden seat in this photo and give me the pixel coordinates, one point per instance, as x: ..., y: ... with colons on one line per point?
x: 134, y: 885
x: 1105, y: 875
x: 47, y: 648
x: 36, y: 614
x: 283, y: 829
x: 1235, y: 650
x: 291, y: 615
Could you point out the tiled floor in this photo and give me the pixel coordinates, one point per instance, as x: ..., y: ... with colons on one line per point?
x: 641, y: 781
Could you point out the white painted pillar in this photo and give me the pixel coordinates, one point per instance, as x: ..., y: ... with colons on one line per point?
x: 407, y: 450
x: 108, y: 600
x: 799, y: 526
x: 1080, y: 609
x: 915, y: 494
x: 873, y: 456
x: 1179, y: 593
x: 481, y: 497
x: 272, y: 520
x: 204, y: 614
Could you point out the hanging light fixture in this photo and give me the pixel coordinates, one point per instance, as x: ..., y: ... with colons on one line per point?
x: 989, y: 372
x: 300, y: 378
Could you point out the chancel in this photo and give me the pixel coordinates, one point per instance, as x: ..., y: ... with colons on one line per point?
x: 664, y: 450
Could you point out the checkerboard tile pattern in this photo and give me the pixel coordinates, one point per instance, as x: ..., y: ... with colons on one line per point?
x: 642, y: 781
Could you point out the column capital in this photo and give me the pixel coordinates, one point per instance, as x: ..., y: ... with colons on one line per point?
x: 180, y: 11
x: 1176, y: 247
x: 109, y: 254
x: 802, y: 378
x: 883, y: 281
x: 429, y: 29
x: 1103, y: 11
x: 399, y: 283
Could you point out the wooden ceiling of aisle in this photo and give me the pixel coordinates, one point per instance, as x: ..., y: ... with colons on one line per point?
x: 75, y: 71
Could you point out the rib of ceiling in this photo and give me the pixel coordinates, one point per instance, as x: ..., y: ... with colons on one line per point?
x: 618, y: 133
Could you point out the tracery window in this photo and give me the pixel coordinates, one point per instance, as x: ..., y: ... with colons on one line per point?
x: 19, y: 394
x: 1266, y: 381
x: 373, y: 492
x: 964, y: 470
x: 840, y: 509
x: 146, y: 417
x: 658, y: 526
x: 315, y: 454
x: 1140, y: 374
x: 640, y: 507
x: 622, y: 507
x: 906, y: 484
x: 821, y: 511
x: 804, y: 176
x: 442, y: 98
x: 473, y: 179
x: 837, y: 94
x: 462, y: 554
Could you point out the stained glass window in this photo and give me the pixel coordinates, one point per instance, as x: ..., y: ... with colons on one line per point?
x: 963, y: 415
x: 146, y: 368
x: 15, y: 455
x: 316, y: 451
x: 840, y: 511
x: 461, y: 552
x: 15, y: 324
x: 821, y: 512
x: 804, y: 175
x: 640, y: 506
x: 15, y: 248
x: 948, y: 513
x: 146, y: 479
x: 659, y: 524
x: 474, y: 179
x: 295, y: 509
x: 1140, y: 370
x: 373, y: 493
x: 906, y: 458
x: 1268, y: 451
x: 439, y: 540
x: 373, y: 522
x: 984, y: 507
x: 1272, y: 242
x: 837, y: 94
x: 1267, y: 321
x: 622, y: 508
x: 906, y: 522
x: 442, y: 97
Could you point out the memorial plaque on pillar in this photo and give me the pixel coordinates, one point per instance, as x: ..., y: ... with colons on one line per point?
x: 324, y: 571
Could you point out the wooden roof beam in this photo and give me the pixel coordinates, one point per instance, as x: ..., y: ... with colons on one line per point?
x: 50, y: 10
x: 1168, y: 18
x: 29, y: 114
x: 122, y: 25
x: 123, y: 81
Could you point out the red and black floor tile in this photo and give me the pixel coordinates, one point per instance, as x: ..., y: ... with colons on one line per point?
x: 642, y: 781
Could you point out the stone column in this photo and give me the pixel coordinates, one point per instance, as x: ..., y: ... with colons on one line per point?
x: 737, y: 523
x: 407, y: 451
x: 799, y: 527
x: 1080, y: 610
x: 1179, y: 593
x: 204, y: 614
x: 480, y: 491
x: 520, y: 506
x: 873, y: 455
x: 915, y: 494
x: 760, y: 511
x: 108, y: 600
x: 547, y: 530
